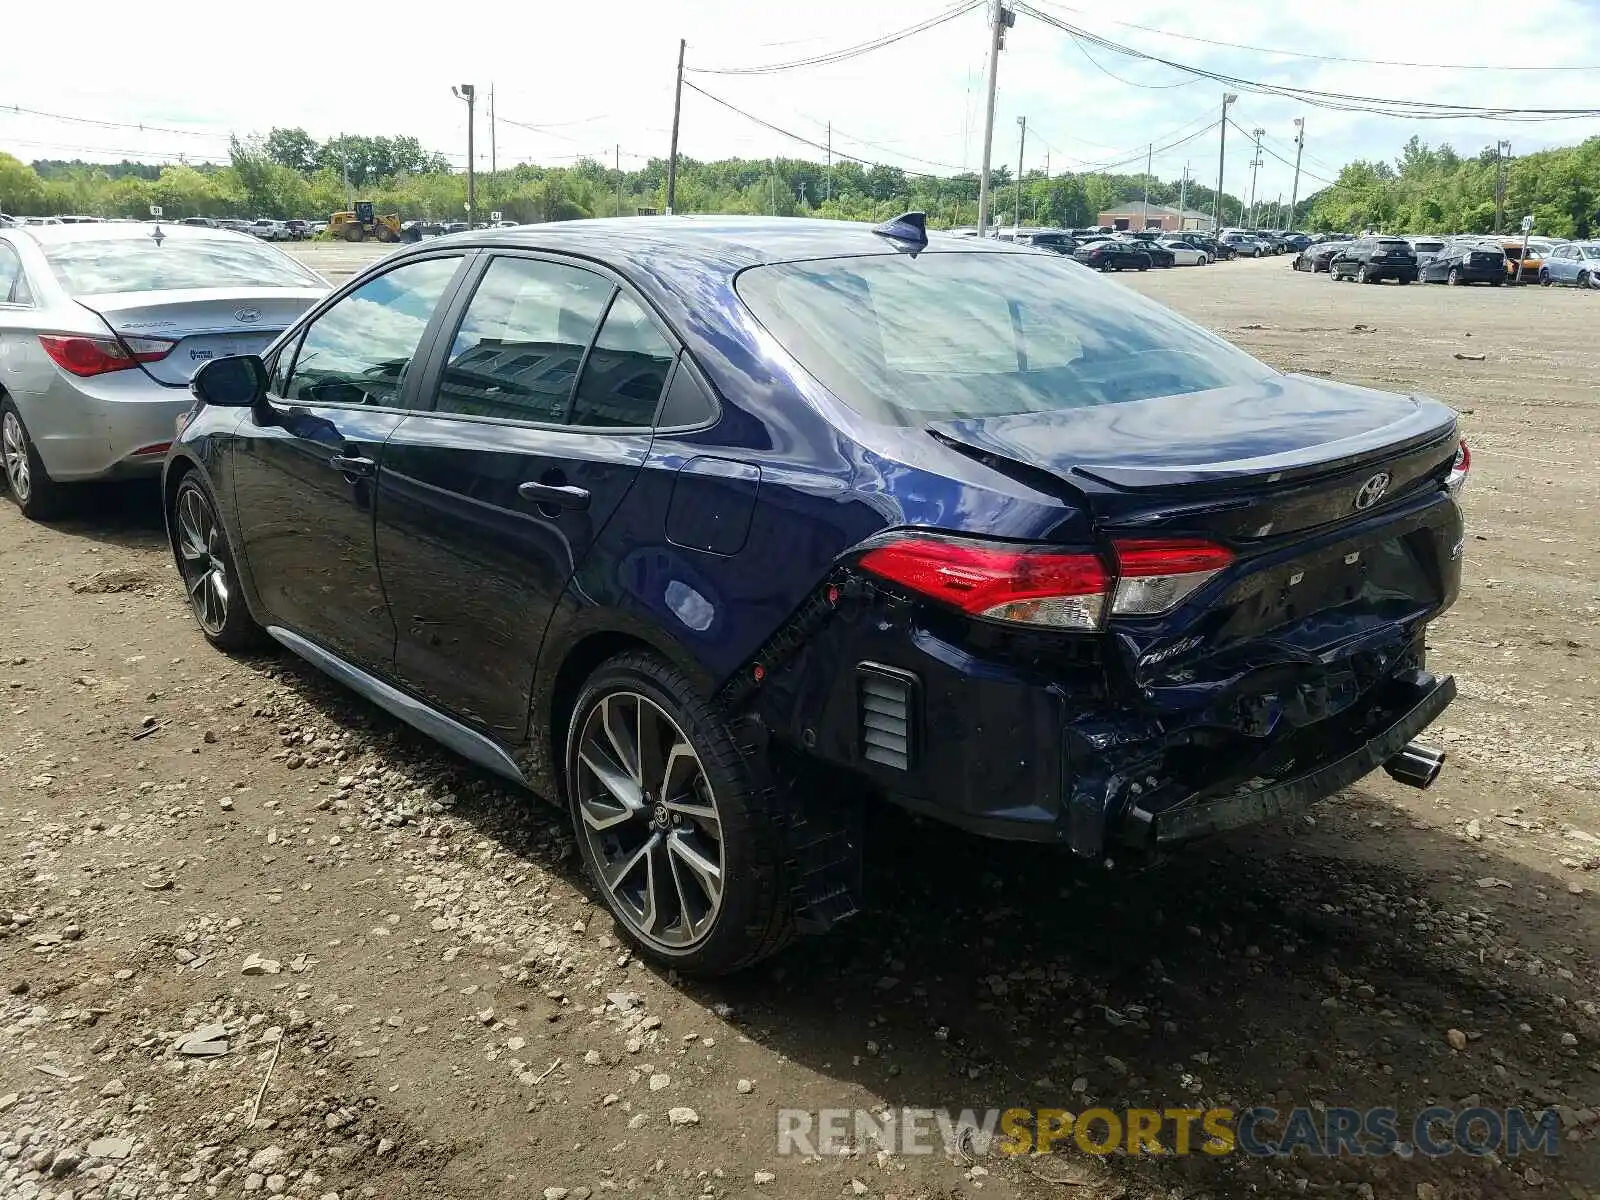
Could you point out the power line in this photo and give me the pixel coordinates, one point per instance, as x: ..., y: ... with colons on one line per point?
x: 849, y: 52
x: 1333, y: 58
x: 1105, y: 70
x: 794, y: 136
x: 1276, y: 155
x: 1421, y: 110
x: 140, y: 126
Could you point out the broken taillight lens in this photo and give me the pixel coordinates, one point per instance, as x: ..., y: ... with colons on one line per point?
x: 1155, y: 575
x: 1457, y: 478
x: 1040, y: 585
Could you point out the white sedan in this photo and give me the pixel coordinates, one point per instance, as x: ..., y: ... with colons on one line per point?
x: 1183, y: 254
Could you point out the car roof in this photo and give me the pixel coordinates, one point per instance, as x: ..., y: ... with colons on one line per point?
x: 726, y: 242
x: 54, y: 235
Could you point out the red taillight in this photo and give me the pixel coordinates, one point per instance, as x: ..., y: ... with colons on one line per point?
x: 1458, y: 470
x: 1036, y: 585
x: 1155, y: 574
x: 1005, y: 583
x: 86, y: 356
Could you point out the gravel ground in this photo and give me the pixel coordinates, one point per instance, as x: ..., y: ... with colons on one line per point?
x: 256, y: 938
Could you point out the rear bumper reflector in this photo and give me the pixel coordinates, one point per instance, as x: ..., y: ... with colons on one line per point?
x: 153, y: 448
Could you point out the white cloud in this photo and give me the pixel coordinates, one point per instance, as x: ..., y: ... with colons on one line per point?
x: 599, y: 75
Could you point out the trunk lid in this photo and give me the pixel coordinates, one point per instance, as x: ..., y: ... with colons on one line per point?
x: 206, y: 323
x: 1331, y: 498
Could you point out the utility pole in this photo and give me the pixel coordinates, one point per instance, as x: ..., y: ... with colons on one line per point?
x: 1022, y: 141
x: 1000, y: 20
x: 1299, y: 148
x: 1183, y: 196
x: 469, y: 93
x: 344, y: 160
x: 619, y: 178
x: 827, y: 180
x: 1222, y: 154
x: 1255, y: 166
x: 677, y: 110
x: 492, y: 165
x: 1499, y: 186
x: 1149, y: 155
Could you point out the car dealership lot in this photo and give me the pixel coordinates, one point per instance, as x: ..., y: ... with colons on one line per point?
x: 443, y: 1012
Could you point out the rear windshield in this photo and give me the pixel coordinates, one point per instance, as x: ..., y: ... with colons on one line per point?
x: 108, y: 265
x: 944, y: 336
x: 1427, y: 245
x: 1392, y: 244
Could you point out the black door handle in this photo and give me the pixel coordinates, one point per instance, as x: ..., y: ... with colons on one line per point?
x: 560, y: 495
x: 352, y: 465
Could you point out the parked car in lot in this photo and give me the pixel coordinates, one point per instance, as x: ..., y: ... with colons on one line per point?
x: 1243, y: 245
x: 269, y: 230
x: 297, y: 229
x: 1465, y: 261
x: 1160, y: 256
x: 1522, y: 266
x: 1576, y: 263
x: 678, y: 521
x: 1296, y: 242
x: 1317, y: 256
x: 1057, y: 240
x: 1214, y: 250
x: 1184, y: 254
x: 1374, y: 259
x: 1425, y: 248
x: 1114, y: 254
x: 101, y: 327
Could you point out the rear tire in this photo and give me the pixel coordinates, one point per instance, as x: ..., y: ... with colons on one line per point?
x: 664, y: 806
x: 1584, y: 279
x: 1361, y: 274
x: 206, y: 564
x: 34, y: 492
x: 353, y: 232
x: 1544, y: 277
x: 1454, y: 278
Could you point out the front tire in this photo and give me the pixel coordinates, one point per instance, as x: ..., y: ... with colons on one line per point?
x: 672, y: 828
x: 35, y: 493
x: 1544, y: 277
x: 1362, y: 276
x: 1584, y: 279
x: 206, y: 563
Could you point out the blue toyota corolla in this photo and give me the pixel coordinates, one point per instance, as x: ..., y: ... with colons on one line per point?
x: 721, y: 529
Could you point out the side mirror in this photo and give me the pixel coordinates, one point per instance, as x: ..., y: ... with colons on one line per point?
x: 239, y: 381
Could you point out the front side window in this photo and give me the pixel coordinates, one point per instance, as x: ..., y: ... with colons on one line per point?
x: 626, y: 370
x: 98, y: 266
x: 358, y: 351
x: 522, y: 340
x: 943, y: 336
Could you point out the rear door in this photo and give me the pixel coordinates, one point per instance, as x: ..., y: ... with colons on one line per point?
x: 304, y: 470
x: 542, y: 394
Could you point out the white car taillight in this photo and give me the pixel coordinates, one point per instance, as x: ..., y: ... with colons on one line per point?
x: 1154, y: 576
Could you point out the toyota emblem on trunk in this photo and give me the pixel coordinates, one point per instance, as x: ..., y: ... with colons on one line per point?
x: 246, y: 315
x: 1372, y: 490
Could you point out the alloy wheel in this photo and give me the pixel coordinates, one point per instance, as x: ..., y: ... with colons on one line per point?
x: 1583, y: 278
x: 1454, y: 278
x: 200, y: 552
x: 14, y: 447
x: 650, y: 818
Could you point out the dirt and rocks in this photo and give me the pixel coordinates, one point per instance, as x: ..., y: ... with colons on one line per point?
x: 258, y: 939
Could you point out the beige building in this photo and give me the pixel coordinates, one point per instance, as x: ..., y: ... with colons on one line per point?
x: 1170, y: 220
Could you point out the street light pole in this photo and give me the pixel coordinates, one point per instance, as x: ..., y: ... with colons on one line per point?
x: 1299, y: 148
x: 1502, y: 151
x: 1222, y: 153
x: 1255, y: 166
x: 1149, y: 155
x: 469, y: 93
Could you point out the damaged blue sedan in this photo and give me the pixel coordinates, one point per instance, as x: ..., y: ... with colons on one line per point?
x: 720, y: 530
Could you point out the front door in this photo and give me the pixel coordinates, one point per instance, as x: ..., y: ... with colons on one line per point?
x: 542, y: 413
x: 305, y: 466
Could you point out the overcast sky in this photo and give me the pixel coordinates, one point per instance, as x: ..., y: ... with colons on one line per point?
x: 599, y: 74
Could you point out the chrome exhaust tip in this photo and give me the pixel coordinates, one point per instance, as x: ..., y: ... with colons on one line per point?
x: 1417, y: 765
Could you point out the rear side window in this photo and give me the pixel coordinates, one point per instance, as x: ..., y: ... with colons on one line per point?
x: 522, y: 340
x: 98, y: 266
x: 358, y: 352
x: 626, y: 370
x: 13, y: 284
x: 956, y: 335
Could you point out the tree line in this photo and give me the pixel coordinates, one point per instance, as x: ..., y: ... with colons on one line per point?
x: 1432, y: 189
x: 290, y: 174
